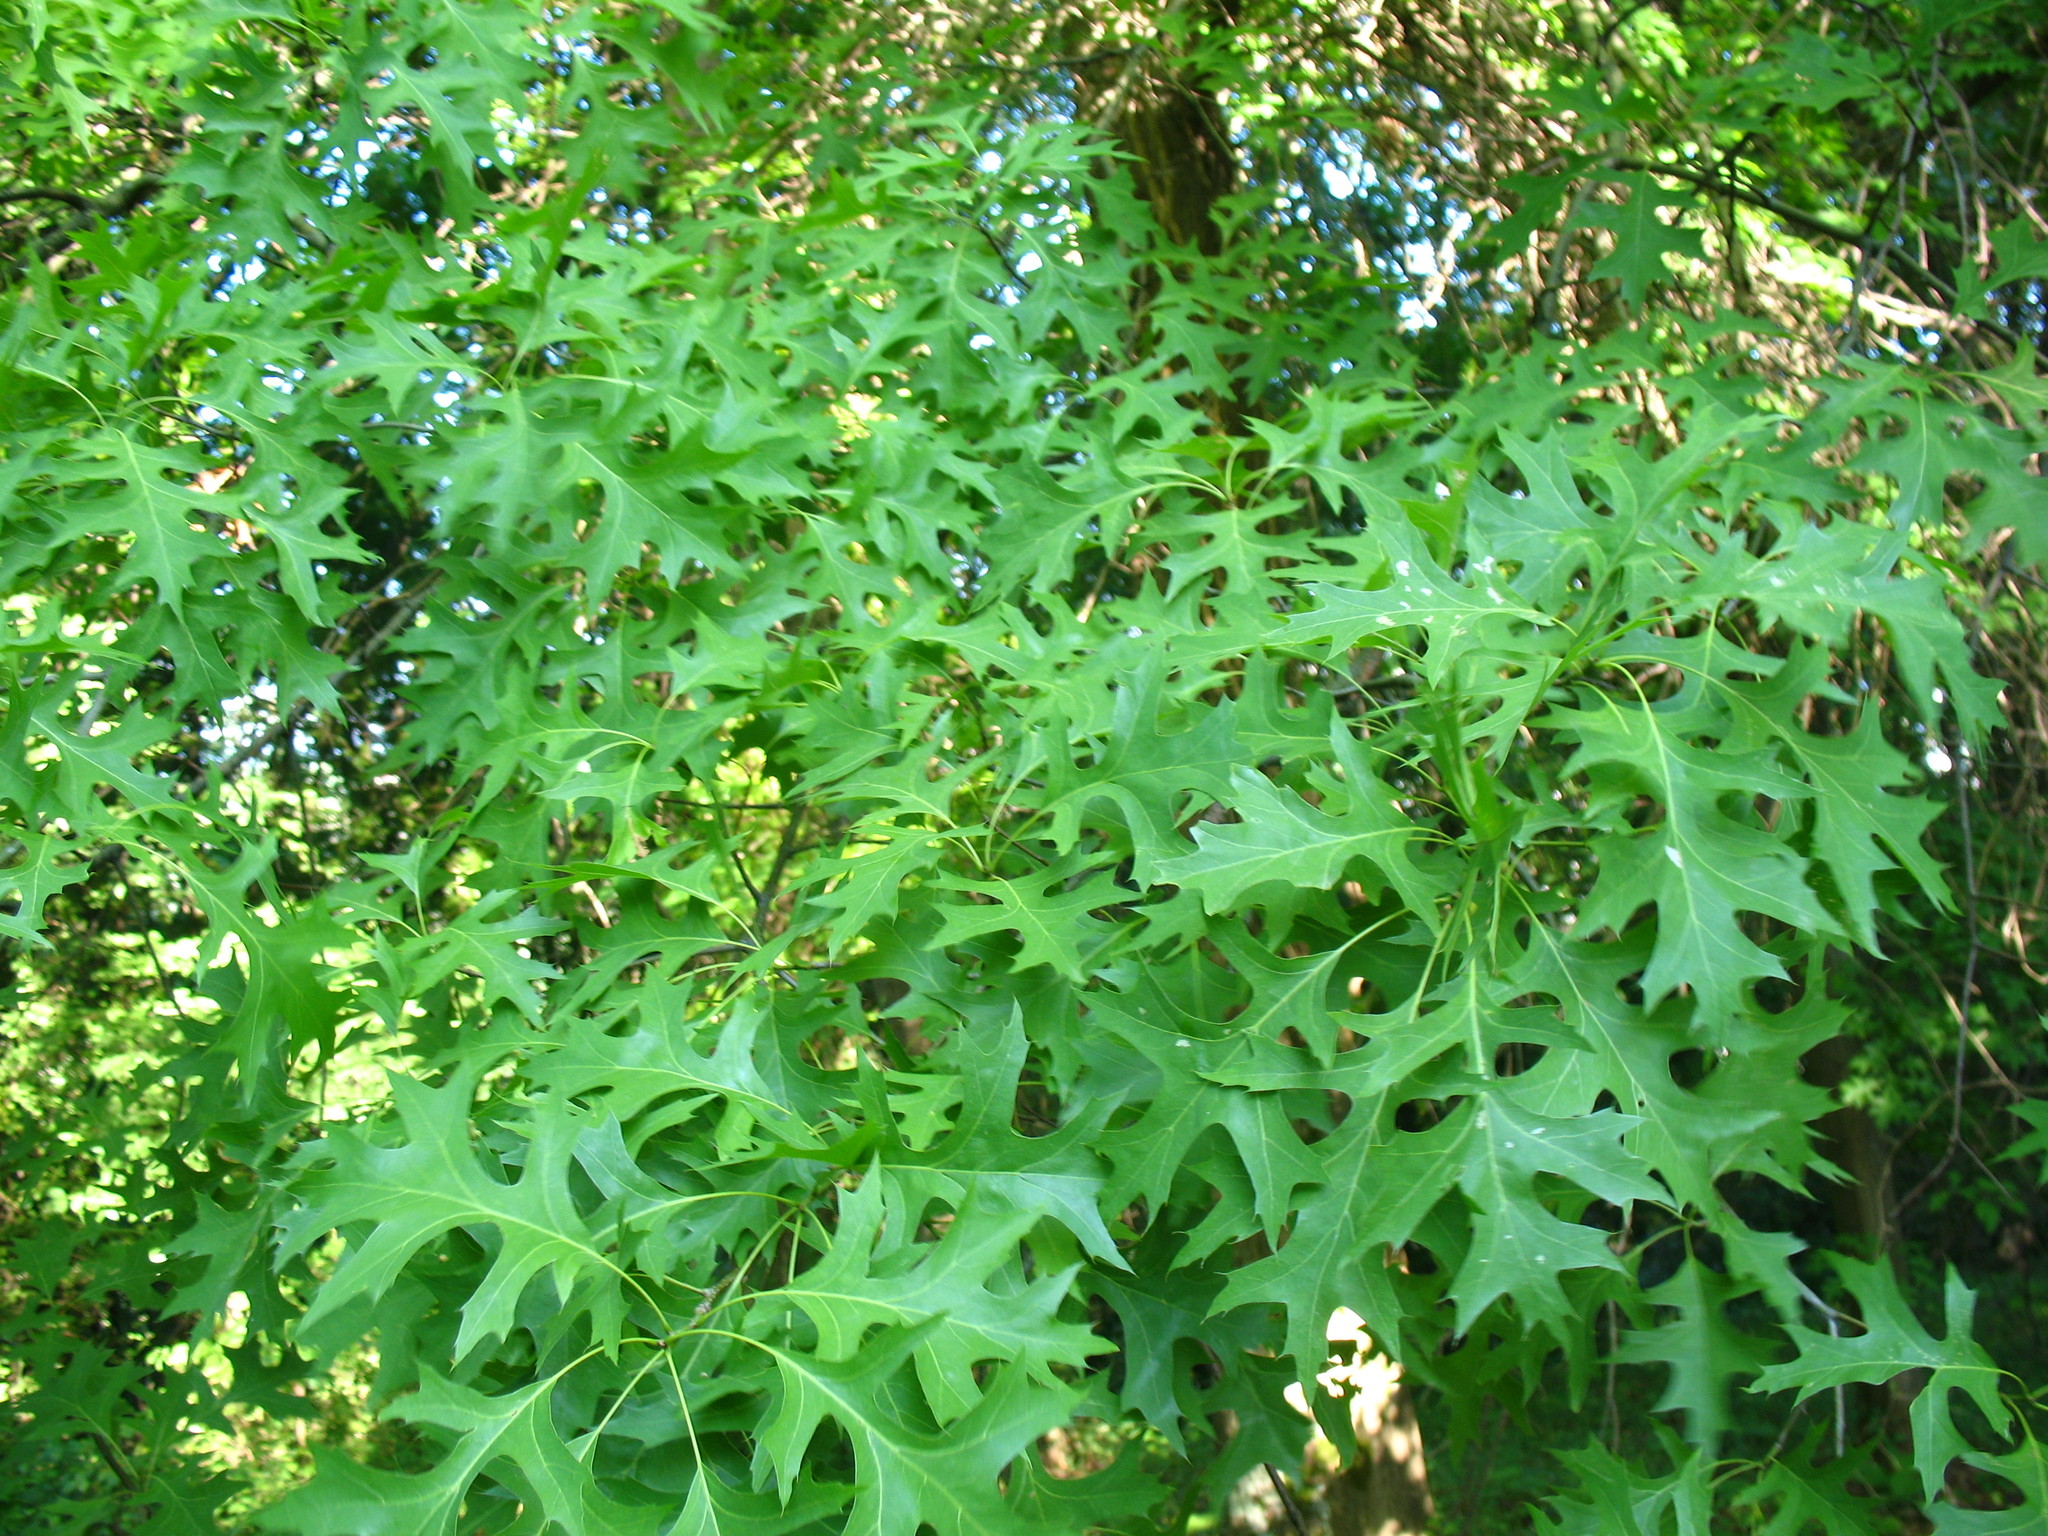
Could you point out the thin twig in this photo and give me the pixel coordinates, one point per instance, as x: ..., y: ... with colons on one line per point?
x: 1833, y: 1316
x: 119, y: 203
x: 1077, y: 61
x: 1286, y: 1500
x: 1970, y: 957
x: 1968, y: 988
x: 407, y: 608
x: 408, y: 605
x: 112, y: 1455
x: 772, y: 886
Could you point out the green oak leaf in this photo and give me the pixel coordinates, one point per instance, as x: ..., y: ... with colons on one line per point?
x: 1147, y: 1154
x: 1420, y: 593
x: 911, y: 1477
x: 1699, y: 866
x: 1703, y: 1349
x: 2026, y: 1467
x: 485, y: 944
x: 433, y: 1182
x: 966, y: 1287
x: 1641, y: 238
x: 1805, y: 1491
x: 512, y: 1438
x: 1051, y: 922
x: 664, y: 1053
x: 1055, y: 1176
x: 41, y: 866
x: 1893, y: 1341
x: 1280, y: 838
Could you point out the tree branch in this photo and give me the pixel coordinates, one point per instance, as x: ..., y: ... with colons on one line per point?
x: 1812, y: 224
x: 49, y: 194
x: 1868, y: 244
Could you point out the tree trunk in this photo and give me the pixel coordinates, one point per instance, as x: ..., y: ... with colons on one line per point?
x: 1386, y: 1491
x: 1163, y: 112
x: 1852, y: 1141
x: 1169, y: 121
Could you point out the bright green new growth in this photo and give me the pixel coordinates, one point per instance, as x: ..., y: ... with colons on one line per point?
x: 949, y: 879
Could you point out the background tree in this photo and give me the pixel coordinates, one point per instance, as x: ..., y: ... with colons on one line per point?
x: 804, y: 768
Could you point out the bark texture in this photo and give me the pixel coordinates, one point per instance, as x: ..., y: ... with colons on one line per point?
x: 1385, y: 1490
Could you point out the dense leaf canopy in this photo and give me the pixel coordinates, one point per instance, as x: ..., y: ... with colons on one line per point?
x: 798, y: 768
